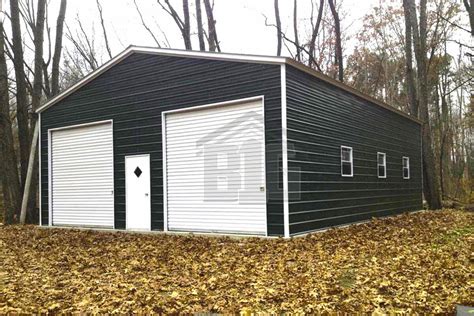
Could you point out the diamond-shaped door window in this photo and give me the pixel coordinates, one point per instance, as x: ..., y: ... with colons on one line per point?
x: 138, y: 172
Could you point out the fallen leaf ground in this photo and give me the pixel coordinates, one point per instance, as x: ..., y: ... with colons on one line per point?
x: 421, y: 262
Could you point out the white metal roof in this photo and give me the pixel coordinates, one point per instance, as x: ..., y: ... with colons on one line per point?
x: 214, y: 56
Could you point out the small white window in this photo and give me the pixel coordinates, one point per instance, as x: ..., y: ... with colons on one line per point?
x: 381, y: 165
x: 347, y: 166
x: 406, y: 167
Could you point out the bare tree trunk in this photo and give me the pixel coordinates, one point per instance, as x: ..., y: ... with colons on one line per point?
x: 187, y: 26
x: 58, y: 45
x: 45, y: 63
x: 410, y: 79
x: 7, y: 205
x: 38, y: 62
x: 31, y: 181
x: 295, y: 28
x: 21, y: 92
x: 446, y: 135
x: 8, y: 166
x: 431, y: 181
x: 469, y: 5
x: 443, y: 148
x: 46, y: 84
x: 337, y: 30
x: 104, y: 31
x: 184, y: 26
x: 211, y: 26
x: 202, y: 45
x: 278, y: 27
x: 314, y: 35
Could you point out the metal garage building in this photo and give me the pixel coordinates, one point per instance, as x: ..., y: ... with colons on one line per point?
x: 173, y: 140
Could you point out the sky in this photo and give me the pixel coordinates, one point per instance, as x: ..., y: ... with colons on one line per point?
x: 240, y: 23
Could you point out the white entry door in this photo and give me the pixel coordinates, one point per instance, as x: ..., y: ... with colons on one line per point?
x: 138, y: 199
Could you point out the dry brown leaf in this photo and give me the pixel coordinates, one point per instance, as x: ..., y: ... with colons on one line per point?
x: 412, y: 263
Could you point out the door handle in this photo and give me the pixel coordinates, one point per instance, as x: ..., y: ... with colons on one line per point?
x: 146, y: 194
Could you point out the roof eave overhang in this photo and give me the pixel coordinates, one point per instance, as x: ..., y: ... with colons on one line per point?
x: 348, y: 88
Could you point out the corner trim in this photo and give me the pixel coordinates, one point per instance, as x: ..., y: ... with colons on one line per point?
x: 39, y: 169
x: 422, y: 165
x: 50, y: 181
x: 284, y: 148
x: 164, y: 172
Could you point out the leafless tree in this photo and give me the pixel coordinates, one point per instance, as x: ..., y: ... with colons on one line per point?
x: 301, y: 48
x: 315, y: 32
x: 30, y: 186
x: 147, y: 28
x: 21, y: 89
x: 183, y: 23
x: 469, y: 5
x: 211, y: 27
x: 38, y: 33
x: 278, y: 27
x: 337, y: 28
x: 104, y: 31
x: 409, y: 74
x: 202, y: 45
x: 84, y: 44
x: 419, y: 33
x: 295, y: 29
x: 58, y: 45
x: 9, y: 170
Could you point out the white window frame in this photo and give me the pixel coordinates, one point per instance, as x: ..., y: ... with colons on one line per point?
x: 351, y: 161
x: 407, y: 167
x: 384, y: 165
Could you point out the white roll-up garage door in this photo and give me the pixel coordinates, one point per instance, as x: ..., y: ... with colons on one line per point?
x: 215, y: 169
x: 82, y: 176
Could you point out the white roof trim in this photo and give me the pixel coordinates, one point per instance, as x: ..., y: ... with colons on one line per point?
x: 164, y: 52
x: 209, y: 55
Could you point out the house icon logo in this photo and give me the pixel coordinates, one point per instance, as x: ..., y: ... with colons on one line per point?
x: 234, y: 161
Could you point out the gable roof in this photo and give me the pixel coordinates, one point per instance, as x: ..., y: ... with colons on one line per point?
x: 258, y: 59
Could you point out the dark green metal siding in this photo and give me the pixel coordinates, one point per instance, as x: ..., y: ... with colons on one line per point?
x: 321, y: 118
x: 133, y: 94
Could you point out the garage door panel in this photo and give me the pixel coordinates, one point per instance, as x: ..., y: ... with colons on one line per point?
x: 71, y: 133
x: 97, y: 155
x: 215, y: 169
x: 204, y: 132
x: 205, y: 125
x: 186, y: 159
x: 76, y: 141
x: 82, y: 176
x: 209, y: 115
